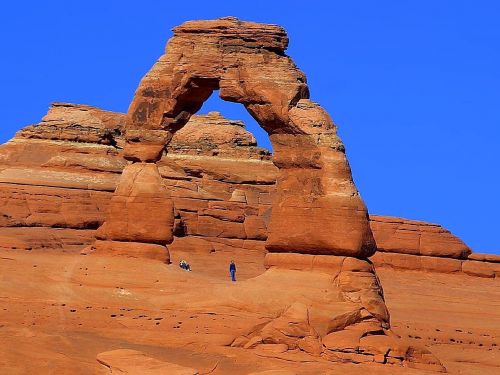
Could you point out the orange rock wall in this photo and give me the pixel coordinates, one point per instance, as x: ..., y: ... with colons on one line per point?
x: 56, y: 189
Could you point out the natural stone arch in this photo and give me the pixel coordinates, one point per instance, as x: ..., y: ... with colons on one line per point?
x: 318, y: 223
x: 318, y: 209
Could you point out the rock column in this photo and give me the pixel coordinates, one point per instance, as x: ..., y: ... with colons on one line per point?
x: 140, y: 217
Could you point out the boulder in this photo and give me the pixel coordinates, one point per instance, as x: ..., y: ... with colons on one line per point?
x: 77, y: 123
x: 415, y: 262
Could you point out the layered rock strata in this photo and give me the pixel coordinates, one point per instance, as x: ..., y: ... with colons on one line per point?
x: 398, y: 235
x: 223, y: 199
x: 416, y: 245
x: 246, y: 62
x: 203, y: 179
x: 55, y: 192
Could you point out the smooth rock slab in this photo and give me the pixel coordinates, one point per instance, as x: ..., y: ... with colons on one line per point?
x: 133, y: 362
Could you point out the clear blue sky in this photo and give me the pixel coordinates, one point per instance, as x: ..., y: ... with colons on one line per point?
x: 414, y: 86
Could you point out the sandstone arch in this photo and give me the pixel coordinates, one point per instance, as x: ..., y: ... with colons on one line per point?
x: 319, y: 223
x: 318, y: 209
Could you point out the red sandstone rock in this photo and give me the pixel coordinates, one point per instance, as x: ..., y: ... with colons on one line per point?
x: 42, y: 206
x: 141, y: 209
x: 325, y: 263
x: 13, y: 243
x: 397, y: 235
x: 204, y: 298
x: 481, y: 269
x: 274, y: 372
x: 314, y: 177
x: 131, y: 250
x: 292, y: 328
x: 43, y: 238
x: 222, y: 209
x: 77, y: 123
x: 485, y: 257
x: 57, y: 183
x: 415, y: 262
x: 355, y: 333
x: 214, y: 135
x: 134, y: 362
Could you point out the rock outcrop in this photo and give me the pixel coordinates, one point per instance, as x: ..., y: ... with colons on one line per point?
x: 415, y: 245
x: 162, y: 182
x: 140, y: 217
x: 77, y: 123
x: 398, y: 235
x: 55, y: 192
x: 215, y: 135
x: 314, y: 178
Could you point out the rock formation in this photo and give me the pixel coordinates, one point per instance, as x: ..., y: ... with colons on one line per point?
x: 55, y: 192
x: 140, y: 217
x: 246, y: 62
x: 164, y: 183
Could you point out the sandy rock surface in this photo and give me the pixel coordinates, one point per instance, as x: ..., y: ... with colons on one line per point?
x: 98, y: 208
x: 61, y: 311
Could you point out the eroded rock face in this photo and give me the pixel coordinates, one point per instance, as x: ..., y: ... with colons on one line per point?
x: 350, y: 324
x: 140, y: 212
x: 214, y: 135
x: 54, y: 193
x: 204, y: 180
x: 78, y: 123
x: 314, y: 179
x: 222, y: 203
x: 397, y: 235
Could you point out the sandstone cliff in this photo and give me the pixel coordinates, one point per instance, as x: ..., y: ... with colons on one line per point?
x: 57, y: 178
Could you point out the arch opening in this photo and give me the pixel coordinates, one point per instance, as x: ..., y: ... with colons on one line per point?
x: 236, y: 111
x: 317, y: 208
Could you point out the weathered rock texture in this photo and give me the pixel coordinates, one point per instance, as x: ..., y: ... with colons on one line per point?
x: 202, y: 180
x: 140, y: 212
x: 397, y: 235
x: 246, y: 62
x: 416, y: 245
x: 222, y: 205
x: 77, y: 123
x: 55, y: 193
x: 127, y: 361
x: 57, y: 177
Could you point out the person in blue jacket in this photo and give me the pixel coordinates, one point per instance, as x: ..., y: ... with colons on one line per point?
x: 232, y: 270
x: 184, y: 265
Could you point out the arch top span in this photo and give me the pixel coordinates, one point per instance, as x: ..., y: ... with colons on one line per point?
x: 317, y: 209
x: 246, y: 61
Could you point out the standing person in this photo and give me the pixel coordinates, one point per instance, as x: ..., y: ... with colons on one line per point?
x: 232, y: 270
